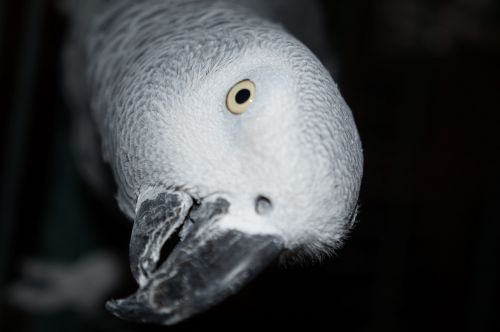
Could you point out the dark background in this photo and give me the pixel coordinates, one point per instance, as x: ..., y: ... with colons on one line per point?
x: 422, y: 79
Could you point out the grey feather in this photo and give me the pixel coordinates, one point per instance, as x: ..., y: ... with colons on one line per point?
x: 131, y: 62
x: 151, y: 79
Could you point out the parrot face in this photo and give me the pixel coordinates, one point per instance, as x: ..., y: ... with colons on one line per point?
x: 275, y: 148
x: 230, y: 144
x: 260, y: 165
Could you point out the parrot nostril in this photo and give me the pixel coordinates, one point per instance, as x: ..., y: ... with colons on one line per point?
x: 263, y: 205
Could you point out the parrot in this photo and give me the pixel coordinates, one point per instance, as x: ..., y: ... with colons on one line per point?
x: 229, y: 142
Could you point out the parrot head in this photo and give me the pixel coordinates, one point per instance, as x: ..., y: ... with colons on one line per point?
x: 250, y: 156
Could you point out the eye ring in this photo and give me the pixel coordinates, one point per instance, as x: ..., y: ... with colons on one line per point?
x: 240, y: 97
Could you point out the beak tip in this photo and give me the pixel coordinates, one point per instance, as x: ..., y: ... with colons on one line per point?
x: 112, y: 306
x: 132, y: 310
x: 116, y: 308
x: 125, y: 309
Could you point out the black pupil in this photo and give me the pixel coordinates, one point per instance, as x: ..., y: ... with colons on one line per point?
x: 242, y: 96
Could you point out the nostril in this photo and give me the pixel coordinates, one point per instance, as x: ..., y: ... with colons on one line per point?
x: 263, y: 205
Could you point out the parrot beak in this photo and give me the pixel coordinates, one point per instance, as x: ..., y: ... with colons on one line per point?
x: 207, y: 265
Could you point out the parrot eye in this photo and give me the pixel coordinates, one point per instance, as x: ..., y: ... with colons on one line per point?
x: 240, y: 97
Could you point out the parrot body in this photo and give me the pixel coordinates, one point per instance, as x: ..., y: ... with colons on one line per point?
x: 242, y: 178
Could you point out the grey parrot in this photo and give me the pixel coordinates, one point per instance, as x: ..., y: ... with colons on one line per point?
x: 227, y: 138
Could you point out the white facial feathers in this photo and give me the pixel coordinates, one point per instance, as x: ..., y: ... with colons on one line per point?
x: 159, y: 76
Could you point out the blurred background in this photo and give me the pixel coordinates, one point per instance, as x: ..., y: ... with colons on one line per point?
x: 422, y: 79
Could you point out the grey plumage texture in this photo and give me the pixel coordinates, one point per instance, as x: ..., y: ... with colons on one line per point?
x: 155, y: 75
x: 150, y: 81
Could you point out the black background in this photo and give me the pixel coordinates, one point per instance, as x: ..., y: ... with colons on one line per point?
x: 421, y: 78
